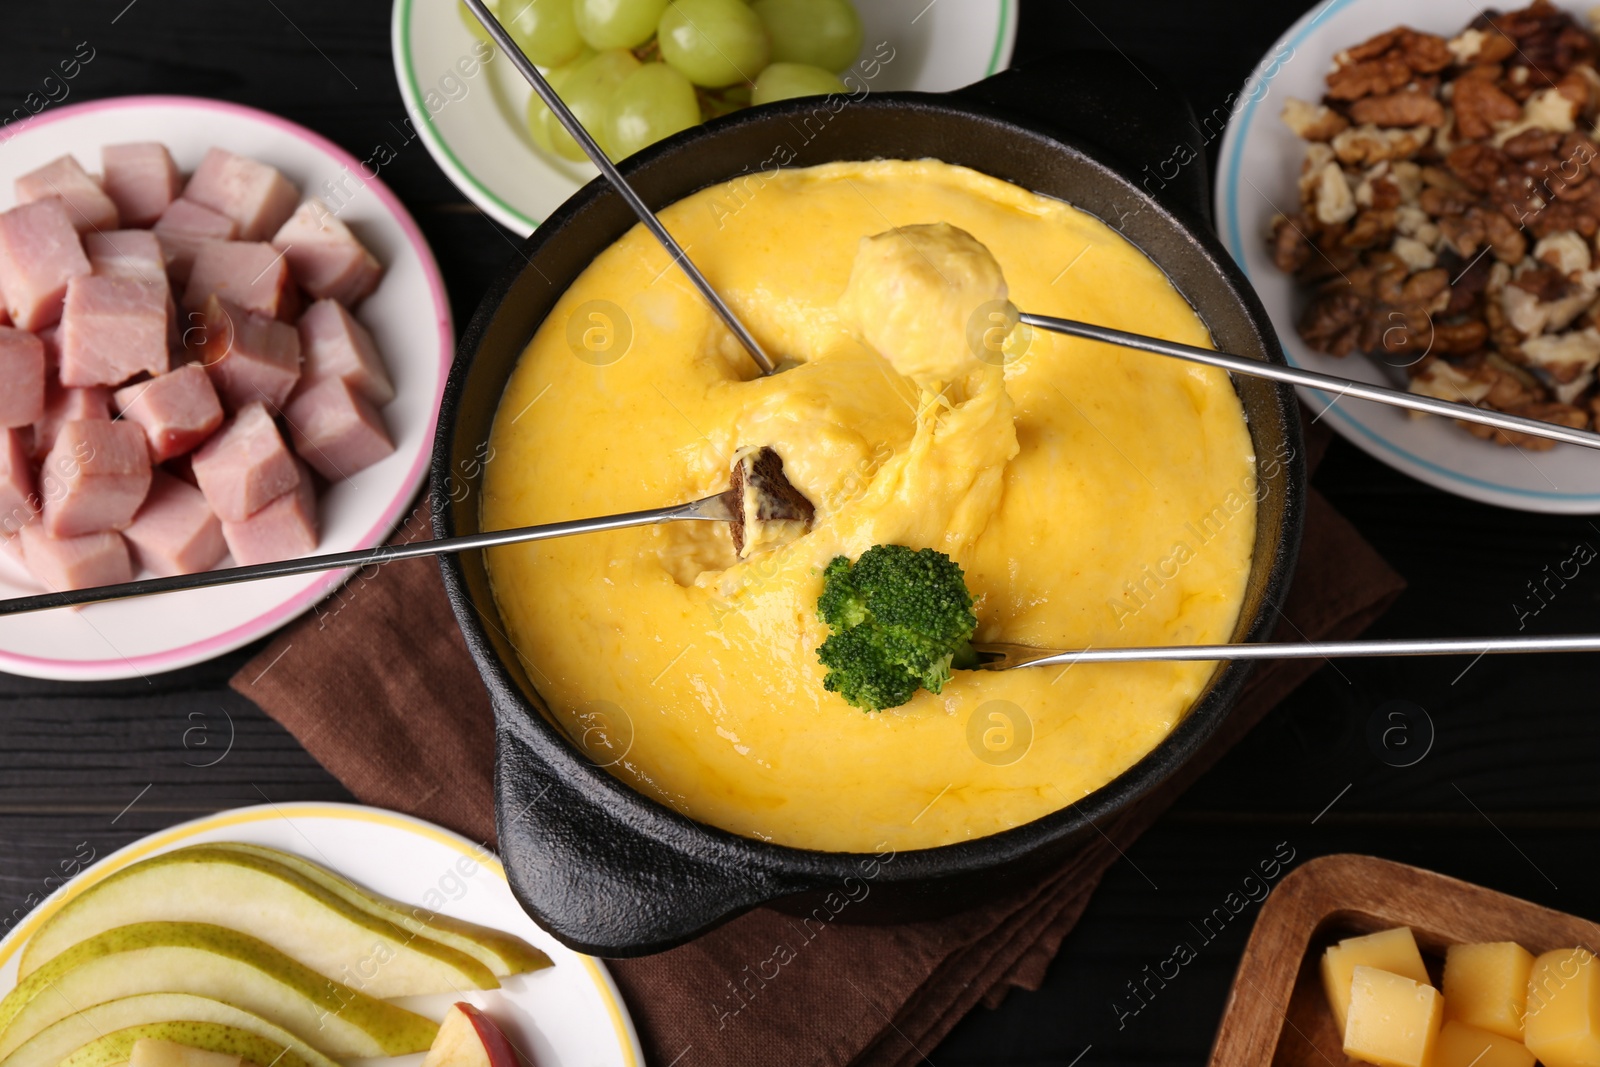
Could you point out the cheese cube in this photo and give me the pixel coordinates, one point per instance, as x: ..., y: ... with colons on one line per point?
x: 1486, y: 986
x: 1467, y: 1046
x: 1393, y: 1021
x: 1394, y: 951
x: 1562, y: 1024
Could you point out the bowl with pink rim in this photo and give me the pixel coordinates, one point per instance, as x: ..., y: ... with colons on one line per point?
x: 408, y: 315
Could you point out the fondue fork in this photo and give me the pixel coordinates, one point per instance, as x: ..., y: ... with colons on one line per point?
x: 999, y: 656
x: 1255, y: 368
x: 597, y: 155
x: 757, y: 491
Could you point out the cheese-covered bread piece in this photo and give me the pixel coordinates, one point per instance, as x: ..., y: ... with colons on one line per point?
x: 917, y: 295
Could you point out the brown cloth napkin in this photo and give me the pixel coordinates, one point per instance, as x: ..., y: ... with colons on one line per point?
x: 377, y: 685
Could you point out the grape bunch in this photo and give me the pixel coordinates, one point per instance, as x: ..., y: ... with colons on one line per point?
x: 635, y: 71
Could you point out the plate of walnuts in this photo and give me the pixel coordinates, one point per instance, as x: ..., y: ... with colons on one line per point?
x: 1415, y: 194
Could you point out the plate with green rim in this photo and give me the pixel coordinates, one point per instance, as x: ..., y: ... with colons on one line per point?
x: 466, y: 104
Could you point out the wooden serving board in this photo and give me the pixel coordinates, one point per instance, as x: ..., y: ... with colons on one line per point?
x: 1276, y: 1012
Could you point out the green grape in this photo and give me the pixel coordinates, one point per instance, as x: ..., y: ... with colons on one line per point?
x: 618, y: 23
x: 544, y: 29
x: 782, y: 81
x: 823, y: 33
x: 654, y: 102
x: 540, y: 121
x: 588, y: 91
x: 714, y: 42
x: 473, y: 25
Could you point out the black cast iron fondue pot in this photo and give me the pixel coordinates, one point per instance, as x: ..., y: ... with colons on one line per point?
x: 612, y: 872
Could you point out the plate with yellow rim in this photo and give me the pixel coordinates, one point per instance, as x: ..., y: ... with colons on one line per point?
x: 570, y: 1013
x: 469, y: 113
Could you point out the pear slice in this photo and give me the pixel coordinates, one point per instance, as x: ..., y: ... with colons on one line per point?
x: 500, y: 952
x: 104, y: 1034
x: 210, y: 961
x: 153, y: 1052
x: 269, y: 902
x: 234, y: 1044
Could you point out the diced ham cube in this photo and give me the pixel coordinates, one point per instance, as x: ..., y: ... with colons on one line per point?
x: 111, y: 330
x: 325, y: 257
x: 175, y: 531
x: 252, y: 194
x: 335, y: 430
x: 39, y: 253
x: 141, y: 179
x: 178, y: 410
x: 245, y: 466
x: 134, y: 255
x: 61, y: 406
x: 76, y: 562
x: 88, y: 206
x: 14, y: 565
x: 249, y: 357
x: 183, y: 228
x: 248, y: 273
x: 22, y: 367
x: 95, y: 477
x: 19, y: 505
x: 334, y: 345
x: 284, y: 529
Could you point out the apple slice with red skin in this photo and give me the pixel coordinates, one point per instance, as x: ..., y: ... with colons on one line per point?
x: 469, y: 1038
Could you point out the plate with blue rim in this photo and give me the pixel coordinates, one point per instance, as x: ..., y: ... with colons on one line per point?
x: 1257, y: 176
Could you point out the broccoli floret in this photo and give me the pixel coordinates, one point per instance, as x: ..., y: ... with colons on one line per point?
x: 901, y: 620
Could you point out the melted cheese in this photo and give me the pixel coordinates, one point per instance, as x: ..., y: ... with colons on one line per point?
x: 1093, y: 495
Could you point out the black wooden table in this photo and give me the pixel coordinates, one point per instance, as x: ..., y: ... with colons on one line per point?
x: 1507, y: 795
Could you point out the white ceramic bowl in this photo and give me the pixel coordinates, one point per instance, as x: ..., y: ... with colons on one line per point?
x: 409, y: 316
x: 568, y: 1015
x: 471, y: 116
x: 1256, y: 179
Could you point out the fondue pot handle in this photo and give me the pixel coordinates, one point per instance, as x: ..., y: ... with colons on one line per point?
x: 1136, y: 120
x: 609, y: 873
